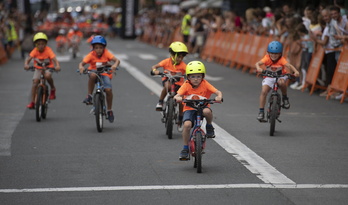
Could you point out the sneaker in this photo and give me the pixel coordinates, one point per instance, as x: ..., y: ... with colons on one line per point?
x: 52, y: 95
x: 184, y: 155
x: 31, y: 105
x: 286, y: 104
x: 180, y: 127
x: 294, y: 85
x: 261, y: 117
x: 88, y: 100
x: 159, y: 106
x: 299, y: 87
x: 110, y: 116
x: 210, y: 131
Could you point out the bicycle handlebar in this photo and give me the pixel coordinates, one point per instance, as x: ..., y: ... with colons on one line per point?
x: 276, y: 74
x: 32, y: 68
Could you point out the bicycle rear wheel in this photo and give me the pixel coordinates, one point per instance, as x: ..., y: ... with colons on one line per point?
x: 273, y: 114
x: 170, y: 118
x: 98, y: 105
x: 38, y: 103
x: 198, y: 152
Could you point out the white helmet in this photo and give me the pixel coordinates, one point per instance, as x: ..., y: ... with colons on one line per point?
x: 61, y: 31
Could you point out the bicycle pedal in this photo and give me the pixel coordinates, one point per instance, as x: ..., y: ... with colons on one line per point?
x: 279, y: 120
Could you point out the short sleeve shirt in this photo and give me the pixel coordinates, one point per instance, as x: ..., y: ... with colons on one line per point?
x: 167, y: 64
x: 93, y: 60
x: 204, y: 89
x: 275, y: 66
x: 45, y: 56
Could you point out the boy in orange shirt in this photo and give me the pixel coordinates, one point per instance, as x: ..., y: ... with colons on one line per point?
x: 61, y: 40
x: 176, y: 64
x: 100, y: 56
x: 196, y: 84
x: 274, y: 61
x: 42, y: 53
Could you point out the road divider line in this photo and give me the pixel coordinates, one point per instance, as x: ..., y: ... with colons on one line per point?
x: 253, y: 162
x: 177, y: 187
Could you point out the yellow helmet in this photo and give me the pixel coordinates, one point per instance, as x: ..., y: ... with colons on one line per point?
x: 40, y: 36
x: 194, y: 67
x: 178, y: 47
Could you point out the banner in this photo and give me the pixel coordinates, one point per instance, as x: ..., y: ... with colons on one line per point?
x: 129, y: 11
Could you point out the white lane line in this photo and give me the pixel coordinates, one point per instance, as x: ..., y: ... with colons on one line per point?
x: 65, y: 58
x: 178, y: 187
x: 241, y: 152
x: 147, y: 57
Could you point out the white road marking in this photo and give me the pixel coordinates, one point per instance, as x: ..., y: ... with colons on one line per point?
x: 211, y: 78
x: 65, y: 58
x: 178, y: 187
x: 241, y: 152
x: 148, y: 57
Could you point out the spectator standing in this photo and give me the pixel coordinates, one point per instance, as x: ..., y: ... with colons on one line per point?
x: 329, y: 43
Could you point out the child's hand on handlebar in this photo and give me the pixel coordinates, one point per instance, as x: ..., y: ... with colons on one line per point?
x: 26, y: 67
x: 218, y: 99
x: 297, y: 74
x: 178, y: 98
x: 57, y: 68
x: 81, y: 68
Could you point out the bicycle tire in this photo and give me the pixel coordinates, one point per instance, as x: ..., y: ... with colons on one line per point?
x: 273, y: 114
x: 198, y: 152
x: 38, y: 103
x: 44, y: 105
x: 170, y: 118
x: 98, y: 105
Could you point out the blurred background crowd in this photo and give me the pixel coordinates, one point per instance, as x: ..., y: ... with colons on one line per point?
x: 299, y: 25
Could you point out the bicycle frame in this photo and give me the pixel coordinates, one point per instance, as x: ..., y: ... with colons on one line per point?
x: 99, y: 107
x: 170, y: 109
x: 42, y: 90
x: 274, y: 100
x: 197, y: 141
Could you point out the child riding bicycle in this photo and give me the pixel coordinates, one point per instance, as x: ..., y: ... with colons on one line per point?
x: 45, y: 54
x: 275, y: 62
x: 174, y: 63
x: 100, y: 56
x: 196, y: 84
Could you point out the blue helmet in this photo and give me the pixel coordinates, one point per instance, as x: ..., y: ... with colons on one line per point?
x: 275, y: 47
x: 98, y: 39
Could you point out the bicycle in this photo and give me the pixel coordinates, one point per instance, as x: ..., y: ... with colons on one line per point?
x: 42, y: 91
x: 99, y: 106
x: 274, y: 100
x: 198, y: 137
x: 170, y: 111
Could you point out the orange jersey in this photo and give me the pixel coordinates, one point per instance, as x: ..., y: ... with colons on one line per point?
x: 72, y: 34
x: 61, y: 39
x: 275, y: 66
x: 204, y: 89
x: 92, y: 59
x: 167, y: 64
x: 47, y: 54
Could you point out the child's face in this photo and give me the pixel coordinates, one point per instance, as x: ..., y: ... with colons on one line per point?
x: 195, y: 79
x: 274, y: 56
x: 178, y: 58
x: 40, y: 45
x: 99, y: 49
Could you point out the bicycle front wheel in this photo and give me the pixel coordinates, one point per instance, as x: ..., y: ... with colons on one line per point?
x: 98, y: 105
x: 273, y: 114
x: 44, y: 105
x: 198, y: 152
x: 170, y: 118
x: 38, y: 103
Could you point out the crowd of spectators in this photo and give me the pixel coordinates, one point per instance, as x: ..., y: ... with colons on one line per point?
x: 298, y: 30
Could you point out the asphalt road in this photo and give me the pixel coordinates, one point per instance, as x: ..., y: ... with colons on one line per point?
x: 64, y: 160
